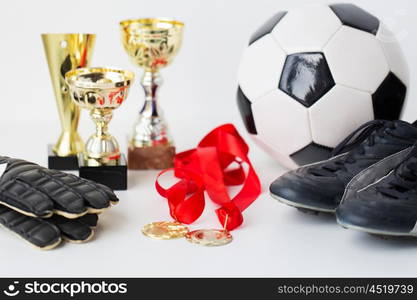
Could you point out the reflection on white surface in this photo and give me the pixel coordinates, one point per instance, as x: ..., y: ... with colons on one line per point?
x: 3, y: 168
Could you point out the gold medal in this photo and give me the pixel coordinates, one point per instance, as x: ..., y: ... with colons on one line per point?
x: 165, y: 230
x: 209, y: 237
x: 172, y: 230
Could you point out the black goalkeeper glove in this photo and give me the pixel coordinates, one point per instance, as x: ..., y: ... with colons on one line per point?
x: 44, y: 206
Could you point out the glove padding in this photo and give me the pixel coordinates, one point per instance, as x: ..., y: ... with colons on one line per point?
x: 48, y: 233
x: 44, y: 206
x: 39, y: 192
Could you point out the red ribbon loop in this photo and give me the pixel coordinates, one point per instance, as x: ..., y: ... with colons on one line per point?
x: 207, y: 168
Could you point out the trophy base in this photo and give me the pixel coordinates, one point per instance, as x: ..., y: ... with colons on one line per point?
x: 151, y: 158
x: 114, y: 176
x: 63, y: 163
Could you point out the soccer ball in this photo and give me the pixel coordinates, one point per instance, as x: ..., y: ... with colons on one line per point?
x: 310, y: 76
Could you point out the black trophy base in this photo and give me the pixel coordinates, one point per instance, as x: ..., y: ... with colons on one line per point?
x: 64, y: 163
x: 115, y: 177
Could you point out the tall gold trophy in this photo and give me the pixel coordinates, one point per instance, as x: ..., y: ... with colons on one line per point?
x: 66, y: 52
x: 152, y: 44
x: 101, y: 91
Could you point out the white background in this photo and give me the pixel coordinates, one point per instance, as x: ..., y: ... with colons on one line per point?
x: 198, y: 94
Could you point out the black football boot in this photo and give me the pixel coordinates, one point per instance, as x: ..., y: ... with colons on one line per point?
x: 320, y: 186
x: 386, y: 205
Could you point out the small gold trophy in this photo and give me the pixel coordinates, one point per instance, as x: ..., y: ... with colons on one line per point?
x: 152, y: 44
x: 64, y: 53
x: 101, y: 90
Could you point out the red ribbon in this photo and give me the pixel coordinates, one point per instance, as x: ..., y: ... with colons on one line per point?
x: 207, y: 168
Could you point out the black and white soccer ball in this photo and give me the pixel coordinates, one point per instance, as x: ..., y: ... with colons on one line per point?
x: 312, y: 75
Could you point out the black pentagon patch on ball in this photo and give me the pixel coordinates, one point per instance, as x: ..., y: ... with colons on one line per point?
x: 389, y: 98
x: 306, y: 77
x: 267, y: 27
x: 311, y: 153
x: 245, y: 109
x: 354, y: 16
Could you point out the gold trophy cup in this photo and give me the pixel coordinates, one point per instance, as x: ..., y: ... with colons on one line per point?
x: 152, y: 44
x: 64, y: 53
x: 101, y: 90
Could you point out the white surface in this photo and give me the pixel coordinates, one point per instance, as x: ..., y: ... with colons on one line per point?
x: 198, y: 94
x: 356, y: 59
x: 306, y: 29
x: 340, y: 98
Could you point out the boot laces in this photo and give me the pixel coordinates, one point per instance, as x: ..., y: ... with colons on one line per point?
x: 356, y: 143
x: 404, y: 178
